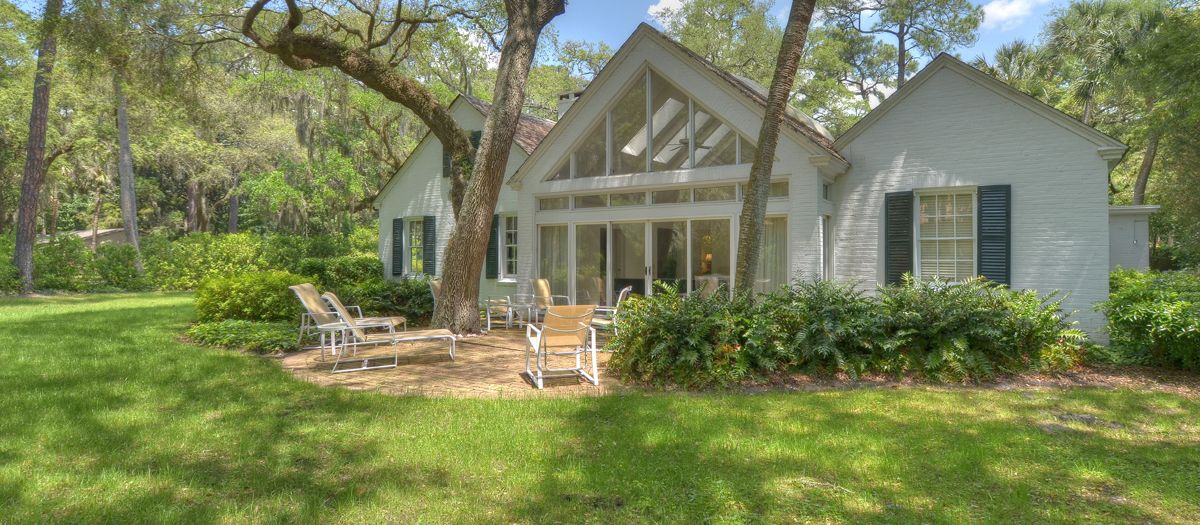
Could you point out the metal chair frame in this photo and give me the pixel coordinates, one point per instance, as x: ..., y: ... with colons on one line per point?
x: 539, y: 352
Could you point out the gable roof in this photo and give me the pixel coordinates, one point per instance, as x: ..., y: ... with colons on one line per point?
x: 1107, y: 146
x: 530, y: 132
x: 795, y: 120
x: 530, y: 129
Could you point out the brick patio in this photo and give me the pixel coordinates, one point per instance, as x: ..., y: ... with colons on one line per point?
x: 491, y: 365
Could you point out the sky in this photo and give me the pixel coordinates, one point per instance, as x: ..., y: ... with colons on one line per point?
x: 612, y: 21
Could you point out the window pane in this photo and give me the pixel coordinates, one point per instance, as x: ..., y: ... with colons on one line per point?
x: 416, y: 248
x: 964, y: 204
x: 629, y: 130
x: 747, y: 154
x: 564, y: 171
x: 716, y: 193
x: 963, y: 226
x: 628, y: 199
x: 510, y: 245
x: 552, y: 257
x: 591, y: 263
x: 772, y: 262
x: 716, y: 143
x: 591, y: 201
x: 710, y: 254
x: 672, y: 196
x: 669, y: 115
x: 779, y: 189
x: 669, y: 256
x: 589, y: 158
x: 553, y: 203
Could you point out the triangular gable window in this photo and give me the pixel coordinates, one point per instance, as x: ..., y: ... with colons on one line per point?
x: 654, y: 126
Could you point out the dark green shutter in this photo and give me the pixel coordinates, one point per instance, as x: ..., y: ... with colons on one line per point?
x: 995, y: 233
x: 897, y: 236
x: 491, y: 267
x: 429, y: 243
x: 397, y: 246
x: 445, y: 163
x: 476, y: 136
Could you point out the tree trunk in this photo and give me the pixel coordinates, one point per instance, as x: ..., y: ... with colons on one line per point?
x: 234, y: 202
x: 96, y: 217
x: 457, y: 307
x: 197, y: 212
x: 754, y: 202
x: 129, y: 209
x: 1143, y: 176
x: 35, y: 150
x: 901, y: 56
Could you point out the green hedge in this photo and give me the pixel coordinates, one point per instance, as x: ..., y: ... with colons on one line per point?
x: 1154, y: 318
x: 946, y: 332
x: 251, y: 296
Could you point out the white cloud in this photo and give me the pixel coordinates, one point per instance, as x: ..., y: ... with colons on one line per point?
x: 1007, y: 14
x: 656, y: 9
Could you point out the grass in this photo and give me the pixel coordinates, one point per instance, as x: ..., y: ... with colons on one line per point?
x: 108, y: 417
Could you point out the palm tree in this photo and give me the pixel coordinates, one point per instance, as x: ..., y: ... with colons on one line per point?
x: 1021, y: 65
x: 1099, y: 37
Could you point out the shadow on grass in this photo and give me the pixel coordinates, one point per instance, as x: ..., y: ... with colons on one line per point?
x: 820, y: 457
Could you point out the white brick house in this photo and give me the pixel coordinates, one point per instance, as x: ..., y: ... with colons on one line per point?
x: 954, y: 175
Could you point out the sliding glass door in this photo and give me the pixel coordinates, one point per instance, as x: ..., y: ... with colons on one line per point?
x: 552, y: 257
x: 710, y: 255
x: 591, y: 264
x: 629, y: 257
x: 669, y: 263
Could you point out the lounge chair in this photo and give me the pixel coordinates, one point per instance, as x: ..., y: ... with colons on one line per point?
x: 318, y: 316
x: 353, y: 334
x: 566, y: 332
x: 497, y: 309
x: 606, y: 317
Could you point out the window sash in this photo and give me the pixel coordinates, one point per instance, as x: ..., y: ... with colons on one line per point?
x: 946, y: 230
x: 416, y: 246
x: 508, y: 257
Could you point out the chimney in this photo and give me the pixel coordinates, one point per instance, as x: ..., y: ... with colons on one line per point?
x: 565, y: 100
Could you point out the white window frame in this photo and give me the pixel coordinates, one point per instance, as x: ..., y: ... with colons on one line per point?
x: 414, y: 225
x: 973, y: 191
x: 503, y: 245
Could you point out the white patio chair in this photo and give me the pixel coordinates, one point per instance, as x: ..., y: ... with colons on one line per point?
x: 498, y: 309
x: 606, y: 316
x: 543, y: 298
x: 318, y: 317
x: 565, y: 333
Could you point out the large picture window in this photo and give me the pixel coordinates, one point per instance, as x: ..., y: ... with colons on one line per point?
x: 946, y: 235
x: 416, y: 246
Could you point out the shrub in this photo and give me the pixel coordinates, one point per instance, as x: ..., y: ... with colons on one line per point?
x: 1155, y: 317
x: 116, y: 267
x: 821, y: 324
x: 193, y: 258
x: 410, y: 298
x: 691, y: 341
x: 10, y: 280
x: 251, y: 296
x: 252, y: 336
x: 65, y: 263
x: 342, y: 271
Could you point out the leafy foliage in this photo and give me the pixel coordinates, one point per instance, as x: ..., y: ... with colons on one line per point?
x: 251, y: 336
x: 251, y: 296
x: 63, y: 264
x: 1155, y: 317
x: 941, y: 331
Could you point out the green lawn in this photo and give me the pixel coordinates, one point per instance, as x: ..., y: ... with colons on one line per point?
x: 108, y: 417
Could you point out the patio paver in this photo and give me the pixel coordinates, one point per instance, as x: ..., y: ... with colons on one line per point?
x: 491, y: 365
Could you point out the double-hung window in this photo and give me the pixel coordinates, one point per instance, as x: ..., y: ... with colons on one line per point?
x: 508, y: 262
x: 416, y: 246
x: 946, y: 235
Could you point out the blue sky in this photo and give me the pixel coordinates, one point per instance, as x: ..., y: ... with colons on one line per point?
x: 612, y: 21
